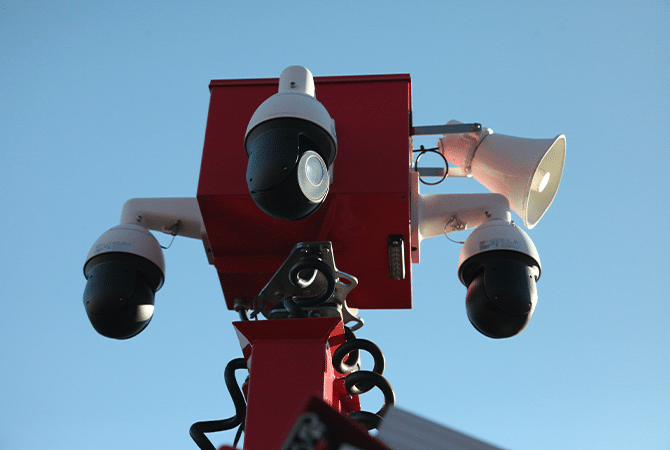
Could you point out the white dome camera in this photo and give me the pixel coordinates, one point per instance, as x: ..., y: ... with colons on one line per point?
x: 500, y: 266
x: 290, y: 143
x: 124, y: 269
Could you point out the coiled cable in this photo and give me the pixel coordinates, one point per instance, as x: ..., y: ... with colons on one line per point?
x: 362, y: 381
x: 199, y: 429
x: 295, y: 305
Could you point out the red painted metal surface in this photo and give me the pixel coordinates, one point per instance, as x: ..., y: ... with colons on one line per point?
x: 289, y: 362
x: 368, y: 200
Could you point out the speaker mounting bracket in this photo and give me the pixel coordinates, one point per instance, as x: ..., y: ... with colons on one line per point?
x: 456, y: 128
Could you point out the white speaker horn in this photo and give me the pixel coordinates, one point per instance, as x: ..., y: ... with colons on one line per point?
x: 526, y: 171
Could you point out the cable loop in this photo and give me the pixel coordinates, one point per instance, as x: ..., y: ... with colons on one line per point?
x: 326, y: 271
x: 422, y: 152
x: 375, y: 379
x: 199, y: 429
x: 354, y: 346
x: 361, y: 381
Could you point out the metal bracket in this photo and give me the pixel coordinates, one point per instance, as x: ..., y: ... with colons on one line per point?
x: 446, y: 129
x: 453, y: 128
x: 310, y: 283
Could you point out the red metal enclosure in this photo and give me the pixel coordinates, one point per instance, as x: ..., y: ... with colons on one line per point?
x: 368, y: 201
x: 287, y: 366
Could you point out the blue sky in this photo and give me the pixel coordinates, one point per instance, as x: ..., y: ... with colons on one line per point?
x: 105, y: 101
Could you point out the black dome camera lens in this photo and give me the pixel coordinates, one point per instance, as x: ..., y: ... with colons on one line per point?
x: 287, y: 172
x: 502, y: 292
x: 119, y: 294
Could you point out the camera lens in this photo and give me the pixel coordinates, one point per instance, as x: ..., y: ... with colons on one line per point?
x: 313, y: 176
x: 314, y: 170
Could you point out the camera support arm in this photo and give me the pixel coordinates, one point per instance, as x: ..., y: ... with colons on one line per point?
x: 440, y: 214
x: 176, y: 216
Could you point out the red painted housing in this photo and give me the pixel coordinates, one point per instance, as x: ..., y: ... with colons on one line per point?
x: 287, y: 365
x: 368, y: 201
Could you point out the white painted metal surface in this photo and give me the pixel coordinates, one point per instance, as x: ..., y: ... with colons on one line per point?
x: 402, y: 430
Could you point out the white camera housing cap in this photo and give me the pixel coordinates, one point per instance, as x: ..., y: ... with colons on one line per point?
x: 496, y: 235
x: 128, y: 238
x: 295, y: 99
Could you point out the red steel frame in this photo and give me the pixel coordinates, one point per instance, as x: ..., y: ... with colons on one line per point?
x: 287, y: 365
x: 369, y: 200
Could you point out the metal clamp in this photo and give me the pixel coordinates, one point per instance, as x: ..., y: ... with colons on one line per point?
x: 305, y: 278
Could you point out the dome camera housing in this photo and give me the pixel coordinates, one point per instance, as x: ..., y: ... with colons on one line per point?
x: 500, y: 266
x: 124, y: 269
x: 290, y: 143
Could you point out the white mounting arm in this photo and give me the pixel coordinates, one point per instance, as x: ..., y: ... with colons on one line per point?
x: 440, y: 214
x: 173, y: 216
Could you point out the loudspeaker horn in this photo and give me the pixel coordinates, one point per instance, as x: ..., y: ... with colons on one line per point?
x: 526, y: 171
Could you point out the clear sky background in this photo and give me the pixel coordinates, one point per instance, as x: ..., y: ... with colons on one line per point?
x: 105, y: 101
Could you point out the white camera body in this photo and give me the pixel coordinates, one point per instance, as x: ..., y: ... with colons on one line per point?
x: 295, y: 99
x: 500, y: 267
x: 124, y: 269
x: 125, y: 266
x: 291, y: 143
x: 495, y: 235
x: 127, y: 238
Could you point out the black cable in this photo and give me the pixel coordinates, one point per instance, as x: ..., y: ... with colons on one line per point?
x: 361, y: 381
x: 294, y: 309
x: 326, y: 271
x: 422, y: 152
x: 199, y: 428
x: 355, y: 345
x: 365, y: 377
x: 353, y: 360
x: 238, y: 435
